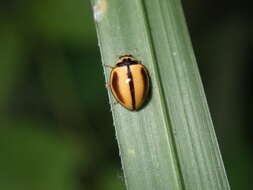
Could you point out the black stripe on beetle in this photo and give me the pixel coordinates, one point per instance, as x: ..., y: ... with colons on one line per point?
x: 144, y: 75
x: 131, y: 85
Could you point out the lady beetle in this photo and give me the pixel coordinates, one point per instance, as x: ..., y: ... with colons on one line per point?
x: 129, y: 82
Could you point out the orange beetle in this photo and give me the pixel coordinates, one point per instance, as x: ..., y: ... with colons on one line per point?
x: 129, y: 82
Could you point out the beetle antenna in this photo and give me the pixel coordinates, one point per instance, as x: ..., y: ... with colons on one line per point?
x: 124, y: 55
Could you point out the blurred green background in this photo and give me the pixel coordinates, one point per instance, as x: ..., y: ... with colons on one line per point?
x: 56, y: 130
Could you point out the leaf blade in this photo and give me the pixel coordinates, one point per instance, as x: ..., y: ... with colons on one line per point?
x: 162, y: 146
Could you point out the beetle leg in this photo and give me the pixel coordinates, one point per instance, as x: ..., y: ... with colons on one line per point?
x: 110, y: 66
x: 108, y: 84
x: 115, y: 103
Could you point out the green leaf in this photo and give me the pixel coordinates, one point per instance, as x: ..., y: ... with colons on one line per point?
x: 170, y: 143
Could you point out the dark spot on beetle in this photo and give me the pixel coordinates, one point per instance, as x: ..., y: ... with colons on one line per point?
x: 145, y: 82
x: 126, y: 62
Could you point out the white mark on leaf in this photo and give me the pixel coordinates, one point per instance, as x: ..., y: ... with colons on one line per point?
x: 99, y: 10
x: 131, y: 151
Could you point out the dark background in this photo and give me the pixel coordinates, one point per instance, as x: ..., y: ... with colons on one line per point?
x: 56, y: 129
